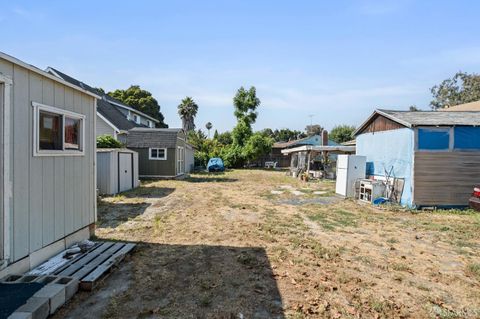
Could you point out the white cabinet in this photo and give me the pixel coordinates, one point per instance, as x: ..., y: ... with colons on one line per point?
x: 349, y: 169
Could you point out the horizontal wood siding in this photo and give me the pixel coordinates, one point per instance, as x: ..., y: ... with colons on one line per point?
x: 380, y: 123
x: 52, y: 196
x: 445, y: 178
x: 103, y: 128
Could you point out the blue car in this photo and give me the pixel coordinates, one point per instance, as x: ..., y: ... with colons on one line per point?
x: 215, y: 165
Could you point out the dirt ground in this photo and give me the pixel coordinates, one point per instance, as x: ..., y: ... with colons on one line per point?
x: 258, y: 244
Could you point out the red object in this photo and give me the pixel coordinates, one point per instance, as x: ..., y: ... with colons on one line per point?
x: 474, y: 201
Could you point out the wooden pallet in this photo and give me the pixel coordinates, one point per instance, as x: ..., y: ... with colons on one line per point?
x: 94, y: 265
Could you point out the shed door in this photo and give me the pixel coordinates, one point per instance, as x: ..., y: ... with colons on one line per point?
x: 125, y: 171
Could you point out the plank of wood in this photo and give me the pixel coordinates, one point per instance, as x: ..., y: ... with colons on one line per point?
x: 88, y: 282
x: 72, y: 268
x: 88, y: 268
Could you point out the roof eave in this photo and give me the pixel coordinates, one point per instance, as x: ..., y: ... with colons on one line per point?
x: 382, y: 113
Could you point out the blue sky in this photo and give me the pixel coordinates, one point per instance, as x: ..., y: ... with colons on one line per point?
x: 336, y: 60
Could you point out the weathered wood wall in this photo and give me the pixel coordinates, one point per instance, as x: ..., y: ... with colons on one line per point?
x: 445, y: 178
x: 380, y: 123
x: 53, y: 196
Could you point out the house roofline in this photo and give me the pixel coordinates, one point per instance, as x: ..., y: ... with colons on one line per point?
x: 32, y: 68
x: 132, y: 110
x: 382, y: 113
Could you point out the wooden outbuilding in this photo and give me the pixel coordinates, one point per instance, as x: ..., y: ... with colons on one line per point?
x: 435, y: 154
x: 47, y: 165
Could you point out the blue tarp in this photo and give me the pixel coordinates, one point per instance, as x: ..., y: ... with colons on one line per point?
x: 467, y: 138
x: 433, y: 138
x: 215, y: 165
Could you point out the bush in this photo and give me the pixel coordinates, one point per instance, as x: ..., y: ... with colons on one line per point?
x: 107, y: 141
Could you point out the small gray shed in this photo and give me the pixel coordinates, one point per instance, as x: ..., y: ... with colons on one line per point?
x: 117, y: 170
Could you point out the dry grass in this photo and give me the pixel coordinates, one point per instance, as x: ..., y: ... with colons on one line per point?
x: 225, y: 246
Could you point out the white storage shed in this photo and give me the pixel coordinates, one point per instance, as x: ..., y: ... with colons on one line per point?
x: 117, y: 170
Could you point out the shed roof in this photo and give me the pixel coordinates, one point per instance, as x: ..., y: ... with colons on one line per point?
x: 32, y: 68
x: 330, y: 148
x: 425, y: 118
x: 309, y: 140
x: 153, y: 137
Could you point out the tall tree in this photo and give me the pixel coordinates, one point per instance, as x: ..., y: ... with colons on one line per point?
x: 461, y: 88
x: 141, y: 100
x: 245, y: 103
x: 342, y: 133
x: 215, y: 135
x: 187, y: 110
x: 313, y: 129
x: 413, y: 108
x: 208, y: 126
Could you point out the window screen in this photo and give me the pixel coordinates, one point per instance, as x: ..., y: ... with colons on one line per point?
x: 433, y: 138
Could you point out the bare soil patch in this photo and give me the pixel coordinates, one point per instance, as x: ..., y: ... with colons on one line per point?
x: 226, y: 246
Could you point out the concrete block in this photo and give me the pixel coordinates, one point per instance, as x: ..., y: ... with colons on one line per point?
x: 71, y: 286
x: 11, y: 278
x: 27, y: 278
x: 20, y: 315
x: 38, y: 307
x: 18, y: 267
x: 56, y: 295
x: 46, y: 279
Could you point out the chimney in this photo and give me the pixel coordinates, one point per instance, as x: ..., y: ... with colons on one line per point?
x: 324, y: 138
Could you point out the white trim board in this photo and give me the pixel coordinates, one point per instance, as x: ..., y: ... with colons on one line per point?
x: 42, y: 107
x: 7, y: 184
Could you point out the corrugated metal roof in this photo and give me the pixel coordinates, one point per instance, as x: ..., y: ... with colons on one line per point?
x: 150, y: 137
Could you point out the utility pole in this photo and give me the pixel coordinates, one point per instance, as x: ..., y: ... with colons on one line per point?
x: 311, y: 116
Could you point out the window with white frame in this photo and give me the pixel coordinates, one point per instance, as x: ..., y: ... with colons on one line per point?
x: 57, y: 131
x: 150, y: 123
x: 157, y: 154
x: 136, y: 118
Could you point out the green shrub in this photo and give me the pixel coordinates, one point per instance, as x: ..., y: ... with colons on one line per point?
x: 107, y: 141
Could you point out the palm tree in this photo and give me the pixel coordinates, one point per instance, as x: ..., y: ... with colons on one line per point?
x: 208, y: 126
x: 188, y: 110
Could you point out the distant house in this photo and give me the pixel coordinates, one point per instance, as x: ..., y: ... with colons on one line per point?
x: 114, y: 118
x: 120, y: 121
x: 469, y: 107
x: 283, y: 160
x: 47, y: 165
x: 162, y: 153
x: 435, y: 154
